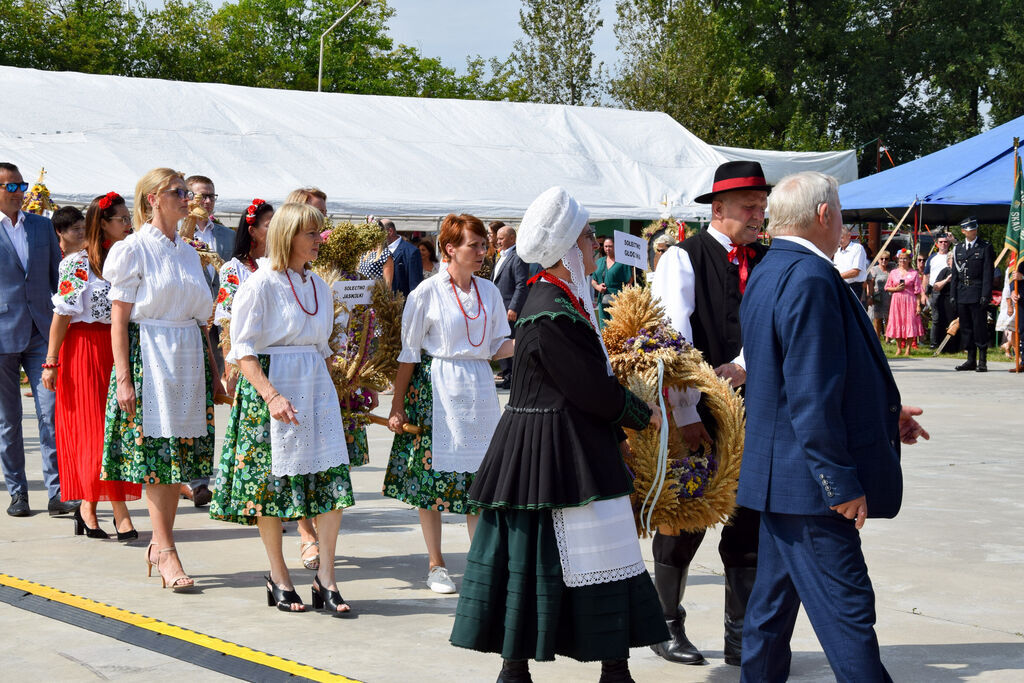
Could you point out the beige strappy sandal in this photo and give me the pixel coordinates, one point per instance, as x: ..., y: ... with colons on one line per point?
x: 182, y: 583
x: 312, y: 563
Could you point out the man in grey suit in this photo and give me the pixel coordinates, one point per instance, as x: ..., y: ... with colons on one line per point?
x: 510, y: 276
x: 29, y: 256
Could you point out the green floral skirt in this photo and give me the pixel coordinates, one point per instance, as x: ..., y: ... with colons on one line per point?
x: 130, y: 456
x: 409, y: 477
x: 358, y: 447
x: 246, y: 488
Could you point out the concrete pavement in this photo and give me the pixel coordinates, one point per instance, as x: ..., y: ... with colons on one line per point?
x: 947, y: 572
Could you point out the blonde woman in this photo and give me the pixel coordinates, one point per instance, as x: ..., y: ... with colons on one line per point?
x: 159, y: 422
x: 282, y: 320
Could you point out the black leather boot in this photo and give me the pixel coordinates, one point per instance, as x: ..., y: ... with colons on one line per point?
x: 615, y: 671
x: 982, y: 359
x: 515, y: 671
x: 970, y: 364
x: 739, y: 582
x: 671, y: 582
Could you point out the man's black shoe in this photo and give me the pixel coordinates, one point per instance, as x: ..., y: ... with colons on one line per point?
x: 982, y: 367
x: 56, y: 506
x: 969, y: 365
x: 19, y: 506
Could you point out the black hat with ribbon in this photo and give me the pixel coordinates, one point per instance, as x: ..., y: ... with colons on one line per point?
x: 736, y: 175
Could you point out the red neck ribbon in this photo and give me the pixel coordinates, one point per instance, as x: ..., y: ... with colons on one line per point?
x: 742, y: 253
x: 557, y: 282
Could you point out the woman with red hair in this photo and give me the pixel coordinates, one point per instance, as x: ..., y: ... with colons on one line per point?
x: 78, y: 365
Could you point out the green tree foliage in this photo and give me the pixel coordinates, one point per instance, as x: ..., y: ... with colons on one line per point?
x: 555, y: 61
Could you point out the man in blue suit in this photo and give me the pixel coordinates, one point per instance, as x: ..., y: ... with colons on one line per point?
x: 408, y: 263
x: 29, y: 256
x: 822, y: 449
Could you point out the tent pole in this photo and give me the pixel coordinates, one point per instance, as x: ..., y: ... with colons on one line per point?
x: 1016, y: 266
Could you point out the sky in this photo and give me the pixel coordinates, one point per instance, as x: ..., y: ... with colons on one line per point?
x: 454, y: 29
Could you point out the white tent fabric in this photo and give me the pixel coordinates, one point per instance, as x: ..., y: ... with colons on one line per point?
x: 395, y: 156
x: 776, y: 165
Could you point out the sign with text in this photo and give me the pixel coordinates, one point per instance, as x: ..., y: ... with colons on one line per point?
x: 630, y: 250
x: 353, y: 292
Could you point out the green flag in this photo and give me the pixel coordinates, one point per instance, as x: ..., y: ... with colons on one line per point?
x: 1013, y: 223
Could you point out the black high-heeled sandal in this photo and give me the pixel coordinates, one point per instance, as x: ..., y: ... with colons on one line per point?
x: 82, y: 528
x: 282, y: 599
x: 129, y: 535
x: 328, y: 601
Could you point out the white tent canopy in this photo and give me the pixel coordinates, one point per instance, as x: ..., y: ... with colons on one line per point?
x: 394, y: 156
x: 776, y: 165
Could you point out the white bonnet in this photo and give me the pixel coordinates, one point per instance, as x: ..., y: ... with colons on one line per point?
x: 552, y: 224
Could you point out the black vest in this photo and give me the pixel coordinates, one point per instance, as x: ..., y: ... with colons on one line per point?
x: 716, y: 316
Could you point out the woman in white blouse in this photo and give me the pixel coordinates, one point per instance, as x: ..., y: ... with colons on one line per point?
x: 285, y: 455
x: 78, y: 365
x: 453, y: 325
x: 159, y: 429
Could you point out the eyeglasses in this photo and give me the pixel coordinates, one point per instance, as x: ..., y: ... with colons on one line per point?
x: 587, y: 235
x: 123, y: 220
x: 204, y: 197
x: 182, y: 193
x: 16, y: 187
x: 660, y: 251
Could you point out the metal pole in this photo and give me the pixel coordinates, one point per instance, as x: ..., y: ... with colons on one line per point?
x: 1016, y: 267
x: 320, y: 74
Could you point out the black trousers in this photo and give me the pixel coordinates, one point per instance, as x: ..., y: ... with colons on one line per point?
x: 738, y: 547
x: 973, y: 326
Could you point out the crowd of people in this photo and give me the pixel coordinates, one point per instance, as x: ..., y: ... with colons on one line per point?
x: 116, y: 327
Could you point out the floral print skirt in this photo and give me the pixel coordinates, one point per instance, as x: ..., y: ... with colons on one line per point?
x: 130, y: 456
x: 409, y: 477
x: 246, y: 488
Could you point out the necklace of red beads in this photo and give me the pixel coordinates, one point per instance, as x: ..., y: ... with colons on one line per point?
x: 466, y: 317
x: 316, y: 303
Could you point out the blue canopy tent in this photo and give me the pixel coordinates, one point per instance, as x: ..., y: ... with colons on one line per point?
x: 970, y: 178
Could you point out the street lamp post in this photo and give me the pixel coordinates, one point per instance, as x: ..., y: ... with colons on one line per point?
x: 320, y: 75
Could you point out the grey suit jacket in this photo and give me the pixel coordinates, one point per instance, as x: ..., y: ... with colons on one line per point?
x: 223, y: 243
x: 25, y: 294
x: 511, y: 280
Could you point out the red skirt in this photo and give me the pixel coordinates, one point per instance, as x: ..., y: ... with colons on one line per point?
x: 83, y: 378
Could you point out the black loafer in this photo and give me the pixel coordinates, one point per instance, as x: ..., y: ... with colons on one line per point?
x: 19, y: 506
x: 202, y: 495
x: 56, y: 506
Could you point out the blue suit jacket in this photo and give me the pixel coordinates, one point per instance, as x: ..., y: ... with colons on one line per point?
x: 408, y: 267
x: 822, y: 405
x: 25, y: 294
x: 511, y: 281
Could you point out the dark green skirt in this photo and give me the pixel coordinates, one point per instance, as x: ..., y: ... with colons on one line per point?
x: 513, y: 600
x: 130, y: 456
x: 410, y: 477
x: 246, y: 488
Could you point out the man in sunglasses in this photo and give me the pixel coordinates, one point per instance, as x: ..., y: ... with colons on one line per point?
x: 29, y: 256
x: 932, y: 267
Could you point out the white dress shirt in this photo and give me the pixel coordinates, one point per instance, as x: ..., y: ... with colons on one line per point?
x: 19, y: 238
x: 853, y: 256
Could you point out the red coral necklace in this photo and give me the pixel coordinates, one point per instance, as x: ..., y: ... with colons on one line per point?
x: 316, y: 303
x: 466, y: 317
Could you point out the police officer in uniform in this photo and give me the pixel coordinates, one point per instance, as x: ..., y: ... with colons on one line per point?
x: 701, y: 283
x: 971, y: 288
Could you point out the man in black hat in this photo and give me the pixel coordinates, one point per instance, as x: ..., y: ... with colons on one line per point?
x: 701, y: 283
x: 971, y: 288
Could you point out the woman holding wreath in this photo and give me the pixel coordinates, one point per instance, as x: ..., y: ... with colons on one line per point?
x: 78, y: 365
x: 555, y: 565
x: 285, y: 456
x: 453, y: 324
x: 159, y: 422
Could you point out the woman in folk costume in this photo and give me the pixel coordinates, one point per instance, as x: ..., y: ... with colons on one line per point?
x: 285, y: 455
x: 159, y: 422
x: 78, y: 365
x: 555, y: 566
x: 453, y: 325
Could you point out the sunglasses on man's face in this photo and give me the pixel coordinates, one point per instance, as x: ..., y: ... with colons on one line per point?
x: 16, y: 187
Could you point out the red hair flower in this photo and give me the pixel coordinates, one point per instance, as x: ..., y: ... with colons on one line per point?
x: 250, y: 213
x: 107, y: 200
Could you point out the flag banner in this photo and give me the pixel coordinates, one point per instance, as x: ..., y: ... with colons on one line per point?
x: 1013, y: 223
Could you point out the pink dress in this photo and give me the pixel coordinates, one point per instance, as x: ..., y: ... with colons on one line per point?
x: 904, y: 322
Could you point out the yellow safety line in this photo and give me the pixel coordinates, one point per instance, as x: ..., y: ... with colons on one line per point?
x: 163, y: 628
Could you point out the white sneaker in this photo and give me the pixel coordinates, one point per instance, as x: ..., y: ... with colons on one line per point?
x: 439, y: 581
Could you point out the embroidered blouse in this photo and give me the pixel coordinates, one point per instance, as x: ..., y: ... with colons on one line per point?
x: 232, y: 275
x: 80, y: 293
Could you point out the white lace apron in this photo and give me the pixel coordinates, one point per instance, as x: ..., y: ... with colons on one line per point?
x: 317, y: 443
x: 466, y: 412
x: 173, y: 379
x: 597, y: 543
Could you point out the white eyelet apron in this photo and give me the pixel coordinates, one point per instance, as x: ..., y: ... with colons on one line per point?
x: 318, y: 442
x: 597, y: 543
x: 466, y: 413
x: 173, y: 379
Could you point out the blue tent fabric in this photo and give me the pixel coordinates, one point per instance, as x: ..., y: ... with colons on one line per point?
x: 973, y: 177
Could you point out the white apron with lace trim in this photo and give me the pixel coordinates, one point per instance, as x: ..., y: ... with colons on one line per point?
x: 173, y: 379
x: 465, y: 413
x: 317, y: 443
x: 597, y: 543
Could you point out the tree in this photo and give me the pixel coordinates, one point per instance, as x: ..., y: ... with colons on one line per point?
x: 555, y: 61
